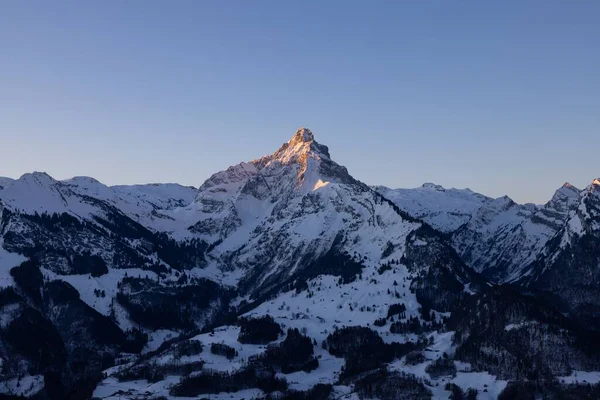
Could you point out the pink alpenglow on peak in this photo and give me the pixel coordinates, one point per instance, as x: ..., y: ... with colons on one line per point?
x: 302, y: 135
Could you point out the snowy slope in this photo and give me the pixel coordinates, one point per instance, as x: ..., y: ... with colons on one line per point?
x: 568, y: 265
x: 57, y: 221
x: 39, y: 192
x: 503, y: 237
x: 4, y: 182
x: 584, y: 214
x: 274, y: 216
x: 444, y: 209
x: 496, y: 237
x: 145, y: 204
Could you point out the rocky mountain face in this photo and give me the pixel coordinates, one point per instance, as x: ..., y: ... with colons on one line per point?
x: 568, y: 269
x: 286, y: 278
x: 444, y: 209
x: 276, y: 217
x: 496, y: 237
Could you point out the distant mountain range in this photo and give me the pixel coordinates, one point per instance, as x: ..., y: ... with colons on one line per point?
x: 286, y: 278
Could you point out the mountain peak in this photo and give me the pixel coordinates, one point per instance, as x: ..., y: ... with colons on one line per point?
x: 82, y: 180
x: 301, y: 161
x: 430, y: 185
x: 566, y: 190
x: 594, y: 186
x: 299, y: 147
x: 302, y: 135
x: 38, y: 178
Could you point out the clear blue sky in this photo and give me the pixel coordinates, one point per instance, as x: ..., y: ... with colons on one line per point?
x: 499, y: 96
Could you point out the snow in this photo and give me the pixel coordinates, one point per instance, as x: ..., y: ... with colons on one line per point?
x: 227, y: 335
x: 344, y: 393
x: 231, y: 179
x: 112, y: 389
x: 511, y: 327
x: 307, y: 221
x: 488, y: 387
x: 444, y: 209
x: 4, y: 182
x: 25, y: 386
x: 132, y: 198
x: 506, y: 233
x: 39, y: 192
x: 212, y: 272
x: 575, y: 226
x: 442, y: 343
x: 86, y: 284
x: 162, y: 194
x: 489, y: 231
x: 332, y: 305
x: 327, y: 372
x: 7, y: 262
x: 467, y: 288
x: 157, y: 337
x: 9, y: 312
x: 150, y: 205
x: 313, y: 315
x: 320, y: 184
x: 592, y: 377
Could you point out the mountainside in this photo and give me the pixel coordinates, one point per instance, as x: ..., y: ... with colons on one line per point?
x: 67, y: 249
x: 286, y: 278
x: 275, y: 217
x: 496, y: 237
x: 569, y: 265
x: 54, y: 221
x: 444, y: 209
x: 4, y: 182
x: 503, y: 238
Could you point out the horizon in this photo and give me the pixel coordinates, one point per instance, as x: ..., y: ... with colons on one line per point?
x: 500, y: 98
x: 63, y: 179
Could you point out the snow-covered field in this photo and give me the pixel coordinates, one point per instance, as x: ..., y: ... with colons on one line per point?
x: 25, y: 386
x: 328, y: 304
x: 591, y: 377
x: 8, y: 261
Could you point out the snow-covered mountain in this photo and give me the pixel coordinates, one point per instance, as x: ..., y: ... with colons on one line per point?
x: 497, y: 237
x: 55, y: 221
x: 5, y: 182
x: 503, y: 237
x: 39, y: 192
x: 282, y: 277
x: 568, y: 266
x: 277, y: 215
x: 444, y: 209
